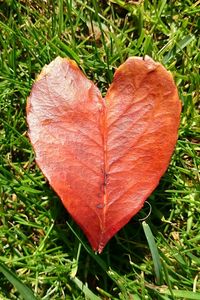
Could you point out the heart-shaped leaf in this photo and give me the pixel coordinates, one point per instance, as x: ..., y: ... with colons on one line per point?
x: 103, y: 157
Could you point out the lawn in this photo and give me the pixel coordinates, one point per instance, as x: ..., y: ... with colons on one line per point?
x: 42, y: 251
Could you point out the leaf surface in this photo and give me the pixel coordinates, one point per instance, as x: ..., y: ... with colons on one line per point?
x: 103, y: 157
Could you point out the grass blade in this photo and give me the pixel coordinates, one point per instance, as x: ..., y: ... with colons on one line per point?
x: 83, y: 287
x: 24, y: 291
x: 179, y: 294
x: 154, y: 252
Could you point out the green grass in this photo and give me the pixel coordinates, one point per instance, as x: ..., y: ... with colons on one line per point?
x: 39, y: 243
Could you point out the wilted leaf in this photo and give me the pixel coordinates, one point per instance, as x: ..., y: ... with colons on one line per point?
x: 103, y: 157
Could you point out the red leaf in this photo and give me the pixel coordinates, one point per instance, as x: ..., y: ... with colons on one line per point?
x: 103, y: 157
